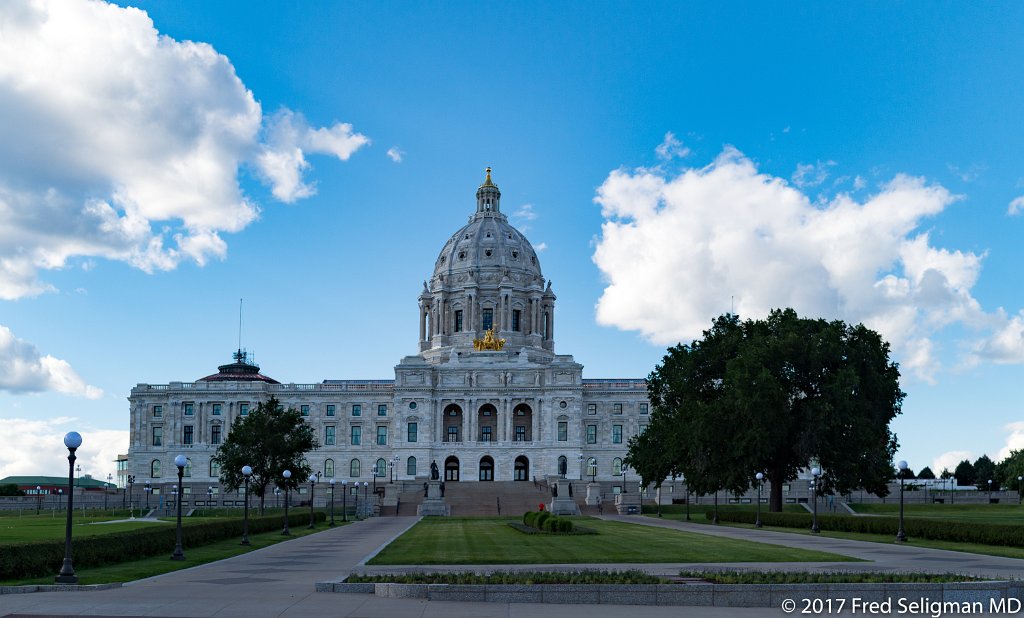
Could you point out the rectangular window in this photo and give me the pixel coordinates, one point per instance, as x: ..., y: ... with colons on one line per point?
x: 186, y: 436
x: 642, y: 428
x: 382, y: 435
x: 488, y: 319
x: 158, y: 436
x: 591, y: 434
x: 458, y: 320
x: 190, y: 409
x: 357, y: 436
x: 330, y: 409
x: 591, y: 408
x: 485, y: 434
x: 616, y: 408
x: 563, y: 431
x: 329, y: 435
x: 243, y: 409
x: 453, y: 433
x: 304, y: 410
x: 516, y: 314
x: 216, y: 409
x: 158, y: 411
x: 215, y: 434
x: 643, y: 408
x: 520, y: 433
x: 616, y: 434
x: 357, y: 410
x: 382, y: 409
x: 411, y: 434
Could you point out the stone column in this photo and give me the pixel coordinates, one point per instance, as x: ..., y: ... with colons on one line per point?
x: 534, y: 424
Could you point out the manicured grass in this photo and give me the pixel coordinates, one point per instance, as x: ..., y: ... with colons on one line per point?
x: 157, y: 565
x: 450, y: 540
x: 987, y: 513
x: 43, y: 527
x: 971, y: 548
x: 516, y: 577
x: 698, y: 510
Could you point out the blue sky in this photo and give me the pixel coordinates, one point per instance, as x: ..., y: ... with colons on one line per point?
x: 859, y: 162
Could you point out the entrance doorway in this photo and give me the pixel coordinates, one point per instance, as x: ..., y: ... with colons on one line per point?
x: 451, y: 468
x: 522, y: 469
x: 486, y: 468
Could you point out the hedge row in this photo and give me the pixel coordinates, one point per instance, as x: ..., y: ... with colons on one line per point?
x: 934, y: 529
x: 547, y: 522
x: 26, y: 560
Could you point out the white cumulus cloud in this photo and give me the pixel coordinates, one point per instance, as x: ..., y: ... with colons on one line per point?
x: 1016, y: 206
x: 36, y: 447
x: 396, y: 154
x: 811, y: 174
x: 949, y: 461
x: 1014, y: 440
x: 119, y: 142
x: 675, y: 250
x: 671, y: 148
x: 24, y: 369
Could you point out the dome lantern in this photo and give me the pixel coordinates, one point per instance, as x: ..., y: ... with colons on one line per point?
x: 488, y: 197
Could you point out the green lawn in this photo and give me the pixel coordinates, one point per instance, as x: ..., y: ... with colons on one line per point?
x: 32, y: 528
x: 451, y: 540
x: 156, y: 565
x: 988, y: 513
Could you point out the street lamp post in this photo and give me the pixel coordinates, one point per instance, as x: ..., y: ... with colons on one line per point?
x: 287, y: 474
x: 131, y: 484
x: 990, y: 491
x: 332, y: 502
x: 72, y: 440
x: 366, y: 498
x: 901, y: 534
x: 148, y: 489
x: 39, y: 498
x: 760, y: 481
x: 344, y: 499
x: 209, y: 496
x: 394, y: 464
x: 174, y: 496
x: 815, y: 472
x: 180, y: 461
x: 592, y: 466
x: 106, y: 490
x: 683, y: 479
x: 78, y: 473
x: 312, y: 494
x: 246, y: 473
x: 277, y: 497
x: 1020, y: 483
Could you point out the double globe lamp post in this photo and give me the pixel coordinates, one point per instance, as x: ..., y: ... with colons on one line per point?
x: 246, y: 473
x: 72, y: 440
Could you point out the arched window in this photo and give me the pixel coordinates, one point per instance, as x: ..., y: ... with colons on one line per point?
x: 214, y: 469
x: 329, y: 468
x: 154, y: 469
x: 381, y: 469
x: 592, y: 467
x: 616, y: 467
x: 353, y: 468
x: 563, y: 465
x: 410, y: 466
x: 188, y: 467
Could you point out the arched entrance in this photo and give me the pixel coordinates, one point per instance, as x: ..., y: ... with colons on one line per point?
x: 451, y: 468
x: 563, y: 466
x: 486, y: 468
x: 522, y: 423
x: 522, y: 469
x: 487, y: 421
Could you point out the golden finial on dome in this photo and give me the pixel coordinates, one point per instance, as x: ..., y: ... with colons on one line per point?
x: 487, y: 181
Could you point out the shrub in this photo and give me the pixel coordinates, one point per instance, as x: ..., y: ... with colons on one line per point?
x: 529, y: 518
x: 551, y: 524
x: 565, y: 525
x: 922, y: 528
x: 542, y: 517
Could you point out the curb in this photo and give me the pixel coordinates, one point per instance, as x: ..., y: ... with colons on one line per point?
x: 987, y: 595
x: 56, y: 588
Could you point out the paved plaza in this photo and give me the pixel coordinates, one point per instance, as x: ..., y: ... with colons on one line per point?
x: 280, y: 580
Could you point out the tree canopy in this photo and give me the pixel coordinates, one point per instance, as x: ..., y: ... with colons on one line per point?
x: 1010, y: 468
x: 985, y: 471
x: 772, y: 395
x: 926, y: 473
x: 964, y: 473
x: 270, y: 440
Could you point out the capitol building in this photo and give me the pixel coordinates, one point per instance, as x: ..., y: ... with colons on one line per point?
x: 487, y: 397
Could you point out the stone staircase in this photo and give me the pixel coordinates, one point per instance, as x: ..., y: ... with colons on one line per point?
x: 468, y: 499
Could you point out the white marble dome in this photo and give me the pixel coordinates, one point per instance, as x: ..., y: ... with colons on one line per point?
x: 487, y: 249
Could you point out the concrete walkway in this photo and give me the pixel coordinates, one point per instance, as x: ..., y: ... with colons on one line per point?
x: 279, y: 581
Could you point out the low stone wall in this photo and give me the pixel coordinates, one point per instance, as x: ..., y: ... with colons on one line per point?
x: 55, y: 588
x: 790, y: 597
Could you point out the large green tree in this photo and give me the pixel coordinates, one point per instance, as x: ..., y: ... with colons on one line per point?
x: 964, y: 473
x: 270, y: 440
x: 1010, y: 468
x: 772, y: 395
x: 985, y: 471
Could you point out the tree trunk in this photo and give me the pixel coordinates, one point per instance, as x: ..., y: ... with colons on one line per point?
x: 776, y: 477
